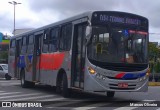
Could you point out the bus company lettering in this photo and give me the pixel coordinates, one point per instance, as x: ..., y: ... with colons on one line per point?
x: 117, y: 19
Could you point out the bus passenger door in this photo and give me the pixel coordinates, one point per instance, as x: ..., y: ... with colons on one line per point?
x: 17, y: 54
x: 78, y: 55
x: 36, y: 57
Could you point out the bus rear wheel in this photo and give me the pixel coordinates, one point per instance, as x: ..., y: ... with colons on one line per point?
x: 65, y: 90
x: 7, y: 77
x: 24, y: 83
x: 110, y: 94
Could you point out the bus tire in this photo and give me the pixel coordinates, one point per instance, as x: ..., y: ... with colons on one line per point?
x: 24, y: 83
x: 7, y: 77
x: 110, y: 94
x: 65, y: 90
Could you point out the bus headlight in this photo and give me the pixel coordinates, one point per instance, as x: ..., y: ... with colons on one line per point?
x: 100, y: 76
x: 91, y: 70
x: 142, y: 78
x: 148, y: 72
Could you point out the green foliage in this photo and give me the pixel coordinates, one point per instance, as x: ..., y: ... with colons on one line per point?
x: 154, y: 52
x: 157, y: 67
x: 151, y: 66
x: 4, y: 55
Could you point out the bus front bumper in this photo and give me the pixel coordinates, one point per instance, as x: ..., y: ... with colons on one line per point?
x: 136, y: 85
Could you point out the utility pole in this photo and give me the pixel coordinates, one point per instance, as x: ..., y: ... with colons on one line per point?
x: 14, y: 3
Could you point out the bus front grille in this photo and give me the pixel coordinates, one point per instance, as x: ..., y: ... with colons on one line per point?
x: 115, y: 87
x: 122, y: 88
x: 121, y: 79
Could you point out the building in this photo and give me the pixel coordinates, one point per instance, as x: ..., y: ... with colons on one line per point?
x: 4, y: 42
x: 4, y: 47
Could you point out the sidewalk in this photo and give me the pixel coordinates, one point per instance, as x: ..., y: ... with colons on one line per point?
x: 154, y: 84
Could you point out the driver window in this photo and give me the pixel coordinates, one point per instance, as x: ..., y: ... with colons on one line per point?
x: 106, y: 37
x: 139, y: 45
x: 101, y: 38
x: 104, y: 41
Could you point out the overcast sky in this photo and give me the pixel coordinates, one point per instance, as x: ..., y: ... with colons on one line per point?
x: 37, y: 13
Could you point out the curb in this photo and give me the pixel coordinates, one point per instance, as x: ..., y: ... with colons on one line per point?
x: 154, y: 83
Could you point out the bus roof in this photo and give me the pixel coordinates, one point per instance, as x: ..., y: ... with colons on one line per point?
x: 83, y: 15
x: 86, y: 14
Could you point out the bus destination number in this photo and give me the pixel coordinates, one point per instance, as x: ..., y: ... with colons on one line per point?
x: 117, y: 19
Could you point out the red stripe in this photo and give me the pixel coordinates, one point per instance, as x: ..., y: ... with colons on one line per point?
x: 120, y: 75
x: 139, y: 32
x: 51, y: 61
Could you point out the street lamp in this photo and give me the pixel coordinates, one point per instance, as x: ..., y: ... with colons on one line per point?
x: 14, y: 3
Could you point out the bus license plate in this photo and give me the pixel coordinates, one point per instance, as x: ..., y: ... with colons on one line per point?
x: 123, y: 85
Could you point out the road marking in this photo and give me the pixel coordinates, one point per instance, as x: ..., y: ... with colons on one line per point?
x: 49, y: 107
x: 2, y: 91
x: 27, y: 98
x: 126, y: 108
x: 21, y: 95
x: 91, y: 106
x: 149, y: 100
x: 67, y: 102
x: 9, y: 84
x: 8, y: 81
x: 53, y: 99
x: 9, y: 93
x: 5, y: 81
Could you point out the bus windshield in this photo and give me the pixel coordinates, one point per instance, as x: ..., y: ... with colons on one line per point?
x: 118, y: 45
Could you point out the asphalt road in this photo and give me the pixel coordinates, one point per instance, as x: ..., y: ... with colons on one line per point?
x: 11, y: 91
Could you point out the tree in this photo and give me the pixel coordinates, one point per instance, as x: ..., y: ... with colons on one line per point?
x: 4, y: 56
x: 154, y: 52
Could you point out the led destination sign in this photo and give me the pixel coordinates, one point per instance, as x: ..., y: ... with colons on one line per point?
x: 116, y: 19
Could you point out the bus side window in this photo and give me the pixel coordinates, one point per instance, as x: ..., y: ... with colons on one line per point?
x: 12, y: 47
x: 30, y: 44
x: 45, y: 41
x: 53, y: 41
x: 24, y: 45
x: 65, y: 39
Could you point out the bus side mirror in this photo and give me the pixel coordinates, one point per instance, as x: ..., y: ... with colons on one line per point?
x: 88, y: 33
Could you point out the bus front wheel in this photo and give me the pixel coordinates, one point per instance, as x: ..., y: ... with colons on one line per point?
x: 110, y: 94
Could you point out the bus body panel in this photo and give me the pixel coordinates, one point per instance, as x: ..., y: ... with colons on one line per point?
x: 94, y: 83
x: 24, y: 65
x: 11, y: 65
x: 49, y: 64
x: 48, y: 77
